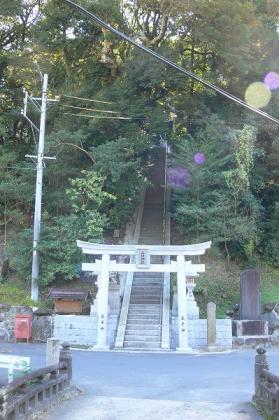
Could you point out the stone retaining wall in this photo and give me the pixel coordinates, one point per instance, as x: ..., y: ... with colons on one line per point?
x: 197, y: 333
x: 7, y: 320
x: 81, y: 329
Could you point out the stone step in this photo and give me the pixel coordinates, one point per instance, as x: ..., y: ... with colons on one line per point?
x: 141, y: 329
x: 140, y: 344
x: 142, y: 332
x: 141, y: 281
x: 139, y: 339
x: 144, y: 322
x: 147, y: 283
x: 144, y: 316
x: 150, y: 234
x: 140, y: 312
x: 144, y: 301
x: 140, y: 286
x: 145, y: 296
x: 144, y: 308
x: 146, y: 292
x: 146, y: 288
x: 148, y: 275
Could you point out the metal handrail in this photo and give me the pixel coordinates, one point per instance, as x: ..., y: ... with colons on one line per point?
x: 165, y: 194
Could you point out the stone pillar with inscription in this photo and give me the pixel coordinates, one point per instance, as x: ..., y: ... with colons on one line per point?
x: 52, y: 351
x: 211, y: 326
x: 182, y: 306
x: 103, y: 305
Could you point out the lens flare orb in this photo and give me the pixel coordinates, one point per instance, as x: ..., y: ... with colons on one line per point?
x: 178, y: 177
x: 257, y: 95
x: 199, y: 158
x: 271, y: 80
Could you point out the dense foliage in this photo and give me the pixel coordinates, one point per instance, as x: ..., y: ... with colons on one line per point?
x: 101, y: 160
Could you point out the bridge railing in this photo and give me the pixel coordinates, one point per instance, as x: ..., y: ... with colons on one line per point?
x: 36, y: 390
x: 266, y: 397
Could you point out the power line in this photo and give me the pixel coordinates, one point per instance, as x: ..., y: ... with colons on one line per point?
x: 86, y: 99
x: 90, y: 109
x: 170, y: 63
x: 19, y: 168
x: 97, y: 116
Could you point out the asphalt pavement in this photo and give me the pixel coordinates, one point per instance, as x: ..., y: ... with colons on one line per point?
x: 133, y: 386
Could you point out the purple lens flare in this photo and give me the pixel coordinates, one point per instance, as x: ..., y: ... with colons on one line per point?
x: 271, y: 80
x: 178, y: 177
x: 199, y: 158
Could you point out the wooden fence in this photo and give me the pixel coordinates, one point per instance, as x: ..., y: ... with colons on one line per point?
x: 35, y: 390
x: 266, y: 397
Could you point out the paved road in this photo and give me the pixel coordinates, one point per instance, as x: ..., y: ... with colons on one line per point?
x: 131, y: 386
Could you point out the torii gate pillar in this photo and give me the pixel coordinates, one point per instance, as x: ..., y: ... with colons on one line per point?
x: 182, y: 306
x: 102, y: 343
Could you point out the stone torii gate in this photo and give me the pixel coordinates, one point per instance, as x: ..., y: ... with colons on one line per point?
x: 140, y: 261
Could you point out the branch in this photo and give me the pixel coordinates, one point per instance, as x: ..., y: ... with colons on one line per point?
x: 78, y: 147
x: 156, y: 41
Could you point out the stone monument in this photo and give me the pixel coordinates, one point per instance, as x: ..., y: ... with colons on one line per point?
x: 250, y: 306
x: 250, y: 301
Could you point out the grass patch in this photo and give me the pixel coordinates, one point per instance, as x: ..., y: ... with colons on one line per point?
x: 222, y: 285
x: 15, y: 295
x: 270, y: 285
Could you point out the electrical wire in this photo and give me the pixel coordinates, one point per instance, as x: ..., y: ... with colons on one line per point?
x: 87, y: 99
x: 20, y: 169
x: 97, y: 116
x: 34, y: 103
x: 170, y: 63
x: 90, y: 109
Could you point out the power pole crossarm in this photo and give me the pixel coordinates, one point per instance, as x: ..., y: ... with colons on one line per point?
x: 38, y: 196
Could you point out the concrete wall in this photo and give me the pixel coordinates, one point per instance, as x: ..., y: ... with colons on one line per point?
x: 197, y: 332
x: 81, y: 329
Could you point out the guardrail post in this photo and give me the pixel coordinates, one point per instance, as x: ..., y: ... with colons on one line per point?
x: 260, y: 364
x: 66, y: 356
x: 52, y: 351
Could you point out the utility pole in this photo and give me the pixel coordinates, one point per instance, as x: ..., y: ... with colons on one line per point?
x: 39, y: 181
x: 38, y: 196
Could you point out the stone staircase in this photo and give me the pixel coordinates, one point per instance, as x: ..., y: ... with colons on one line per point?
x: 143, y: 328
x: 144, y: 320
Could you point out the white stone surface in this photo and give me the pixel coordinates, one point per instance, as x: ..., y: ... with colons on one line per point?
x: 197, y: 333
x: 193, y: 311
x: 81, y: 329
x: 52, y: 351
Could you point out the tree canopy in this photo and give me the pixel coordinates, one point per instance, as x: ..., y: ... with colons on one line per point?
x: 115, y: 102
